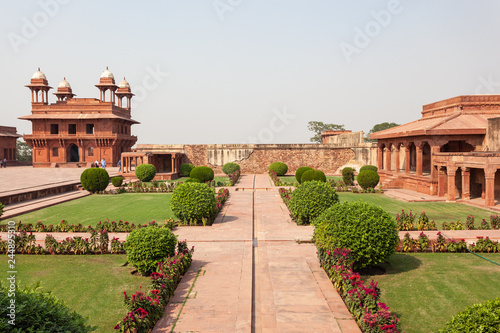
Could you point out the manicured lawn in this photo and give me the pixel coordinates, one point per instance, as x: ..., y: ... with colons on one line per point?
x: 131, y: 207
x: 438, y: 211
x: 427, y: 289
x: 93, y: 286
x: 291, y: 179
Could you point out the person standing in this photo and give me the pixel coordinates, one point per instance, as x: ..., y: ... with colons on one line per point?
x: 4, y: 162
x: 119, y: 165
x: 103, y: 163
x: 96, y: 163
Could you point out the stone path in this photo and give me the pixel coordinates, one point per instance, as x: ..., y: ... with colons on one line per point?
x: 254, y: 271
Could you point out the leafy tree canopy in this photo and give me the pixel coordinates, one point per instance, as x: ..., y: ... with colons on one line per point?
x: 378, y: 128
x: 319, y: 127
x: 24, y: 152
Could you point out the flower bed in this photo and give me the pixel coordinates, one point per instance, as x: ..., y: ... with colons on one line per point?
x: 406, y: 222
x: 146, y: 308
x: 362, y: 300
x: 423, y: 244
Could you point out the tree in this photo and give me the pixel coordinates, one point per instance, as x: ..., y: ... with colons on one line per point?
x: 319, y: 127
x: 378, y: 128
x: 24, y: 152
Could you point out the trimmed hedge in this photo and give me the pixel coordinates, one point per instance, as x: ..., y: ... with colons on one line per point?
x: 279, y: 167
x: 311, y: 175
x: 368, y: 167
x: 366, y: 230
x: 484, y: 317
x: 348, y: 175
x: 311, y: 199
x: 300, y: 171
x: 37, y: 311
x: 94, y: 179
x: 186, y: 169
x: 145, y: 172
x: 193, y: 201
x: 117, y: 181
x: 192, y: 180
x: 230, y: 168
x: 146, y: 247
x: 368, y: 179
x: 203, y: 173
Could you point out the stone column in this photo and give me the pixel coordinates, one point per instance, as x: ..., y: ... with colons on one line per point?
x: 451, y: 182
x: 419, y: 160
x: 434, y: 149
x: 396, y: 157
x: 465, y: 183
x: 441, y: 182
x: 407, y: 159
x: 489, y: 175
x: 388, y: 158
x: 380, y: 157
x: 172, y: 160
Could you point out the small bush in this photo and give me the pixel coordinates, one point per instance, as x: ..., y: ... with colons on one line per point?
x: 365, y: 229
x: 230, y: 168
x: 186, y: 169
x: 483, y: 317
x: 146, y: 247
x: 145, y: 172
x: 279, y: 167
x: 300, y: 171
x: 193, y: 201
x: 348, y: 175
x: 203, y: 173
x: 94, y: 179
x: 368, y: 167
x: 1, y: 209
x: 192, y: 180
x: 311, y: 175
x: 38, y: 311
x: 117, y: 181
x: 368, y: 179
x: 311, y: 199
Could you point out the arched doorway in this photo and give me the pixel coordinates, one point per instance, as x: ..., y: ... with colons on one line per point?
x: 74, y: 155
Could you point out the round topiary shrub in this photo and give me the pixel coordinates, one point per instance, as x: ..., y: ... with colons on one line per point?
x: 368, y: 167
x: 37, y: 311
x: 230, y: 168
x: 300, y: 171
x: 311, y: 199
x: 117, y: 181
x: 311, y: 175
x: 192, y: 201
x: 368, y: 179
x: 192, y: 180
x: 484, y: 317
x: 145, y: 172
x: 279, y: 167
x: 186, y: 169
x: 348, y: 175
x: 146, y: 247
x: 94, y: 179
x: 203, y: 173
x: 365, y: 229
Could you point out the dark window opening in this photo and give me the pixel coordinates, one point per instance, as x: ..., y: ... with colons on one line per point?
x: 55, y: 152
x: 90, y: 128
x: 91, y: 151
x: 72, y: 129
x: 54, y: 129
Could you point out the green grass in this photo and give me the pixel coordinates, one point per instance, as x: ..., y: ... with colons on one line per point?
x: 438, y: 211
x: 131, y: 207
x: 427, y: 289
x: 291, y: 179
x: 93, y: 286
x: 183, y: 179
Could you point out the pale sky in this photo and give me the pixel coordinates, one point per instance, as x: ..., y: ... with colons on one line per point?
x: 253, y: 71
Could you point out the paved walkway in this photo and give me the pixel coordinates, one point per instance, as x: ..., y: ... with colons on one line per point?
x: 254, y: 271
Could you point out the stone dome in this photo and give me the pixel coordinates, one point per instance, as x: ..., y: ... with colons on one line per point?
x: 64, y: 84
x: 124, y: 84
x: 39, y: 75
x: 107, y: 74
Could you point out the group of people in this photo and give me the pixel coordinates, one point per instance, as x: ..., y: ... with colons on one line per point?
x: 3, y: 163
x: 103, y: 164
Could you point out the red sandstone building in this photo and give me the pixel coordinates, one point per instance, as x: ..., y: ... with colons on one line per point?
x: 78, y: 131
x: 453, y: 151
x: 8, y: 137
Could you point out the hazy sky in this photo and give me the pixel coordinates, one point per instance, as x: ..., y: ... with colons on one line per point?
x: 234, y: 71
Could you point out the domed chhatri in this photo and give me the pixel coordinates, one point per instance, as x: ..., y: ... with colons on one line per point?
x: 107, y: 74
x: 64, y: 91
x: 39, y: 75
x: 124, y: 84
x: 64, y: 84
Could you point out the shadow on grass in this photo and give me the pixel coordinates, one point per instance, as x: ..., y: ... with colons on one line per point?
x: 397, y: 263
